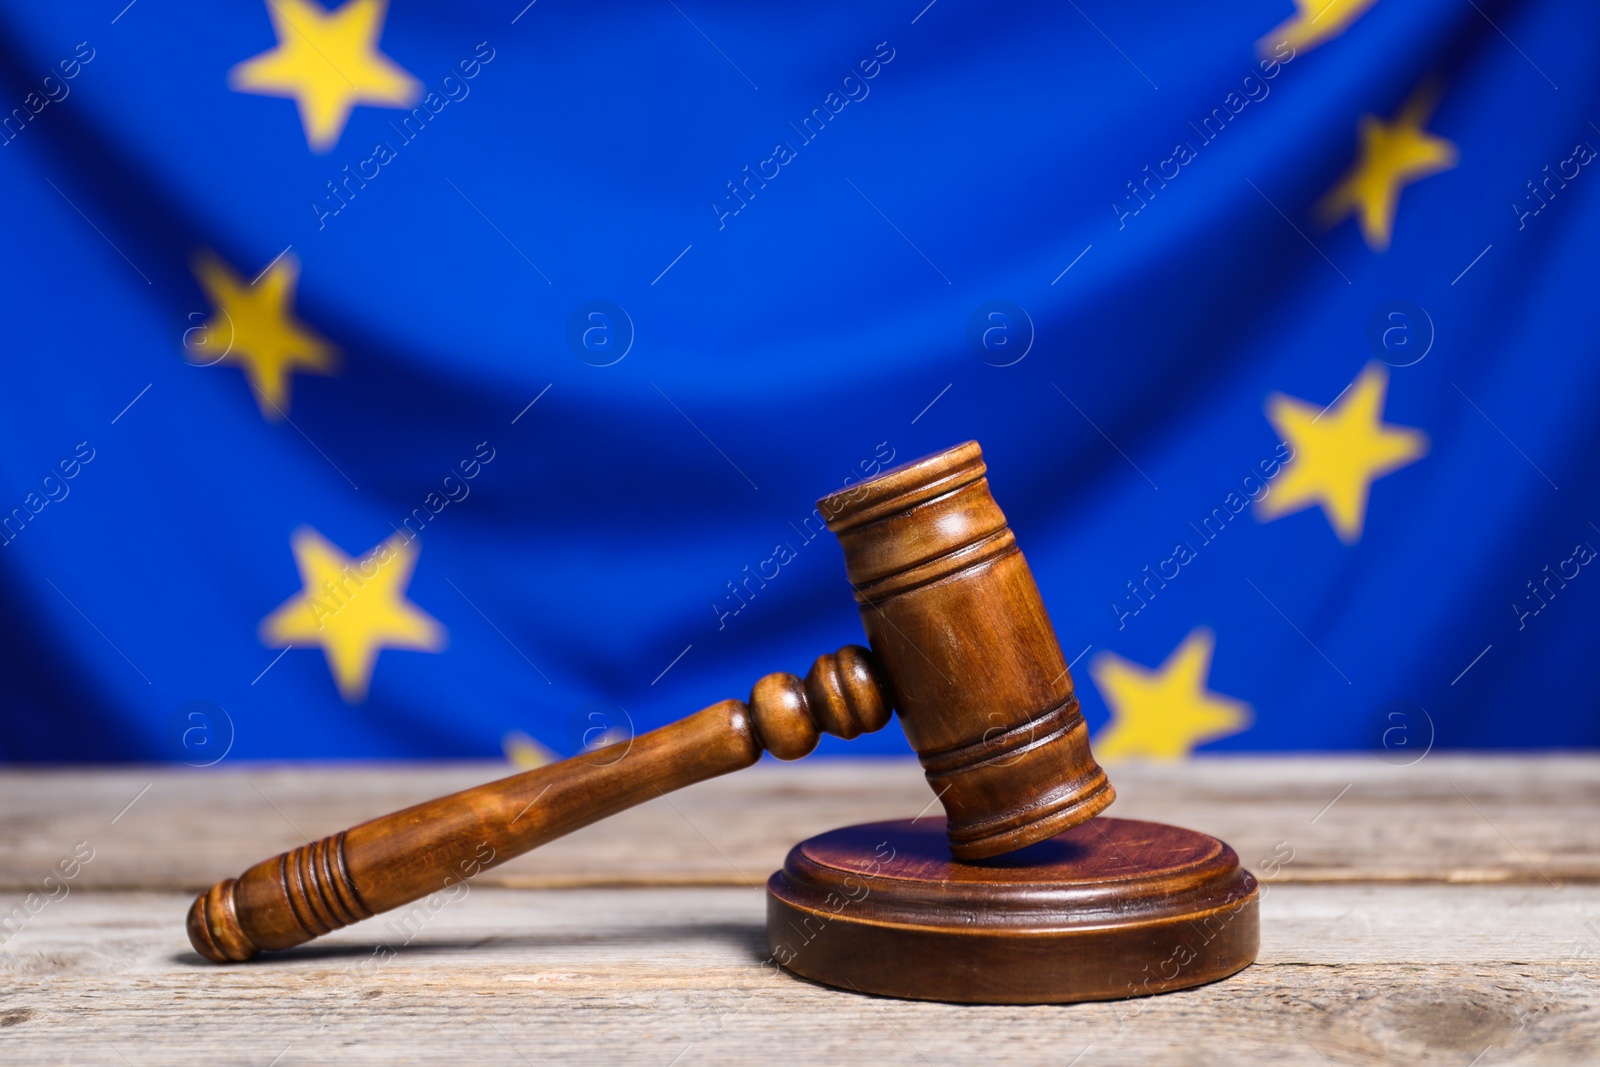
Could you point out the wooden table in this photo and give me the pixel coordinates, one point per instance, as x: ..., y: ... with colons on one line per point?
x: 1446, y: 912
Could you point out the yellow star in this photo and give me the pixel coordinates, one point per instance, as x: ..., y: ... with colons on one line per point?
x: 327, y: 62
x: 253, y: 325
x: 1316, y: 22
x: 1338, y: 453
x: 1393, y: 155
x: 525, y: 752
x: 352, y: 608
x: 1164, y: 713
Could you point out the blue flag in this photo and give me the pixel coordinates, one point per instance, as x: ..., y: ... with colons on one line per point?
x: 390, y: 381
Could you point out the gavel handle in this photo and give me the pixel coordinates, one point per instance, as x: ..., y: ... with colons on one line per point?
x: 434, y: 846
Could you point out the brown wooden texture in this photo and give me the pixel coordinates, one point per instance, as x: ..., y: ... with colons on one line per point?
x: 968, y: 658
x: 1112, y: 908
x: 437, y: 846
x: 1405, y: 929
x: 1516, y: 819
x: 1348, y: 975
x: 971, y: 660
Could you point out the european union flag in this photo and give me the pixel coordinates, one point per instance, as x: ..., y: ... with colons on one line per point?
x: 391, y: 381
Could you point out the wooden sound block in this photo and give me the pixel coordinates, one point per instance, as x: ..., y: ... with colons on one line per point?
x: 1111, y: 908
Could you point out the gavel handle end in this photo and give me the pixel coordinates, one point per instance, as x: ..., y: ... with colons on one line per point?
x: 214, y: 928
x: 405, y: 856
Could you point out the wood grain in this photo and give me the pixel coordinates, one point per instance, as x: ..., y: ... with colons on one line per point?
x: 1419, y: 974
x: 402, y: 856
x: 1109, y: 909
x: 1517, y: 820
x: 967, y: 651
x: 1405, y: 928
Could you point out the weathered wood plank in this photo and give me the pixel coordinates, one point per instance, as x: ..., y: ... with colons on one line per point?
x: 1397, y: 973
x: 1526, y: 820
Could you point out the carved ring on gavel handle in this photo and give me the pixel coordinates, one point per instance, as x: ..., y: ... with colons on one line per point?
x: 405, y: 856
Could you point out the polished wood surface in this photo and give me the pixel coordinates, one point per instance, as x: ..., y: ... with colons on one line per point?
x: 1112, y: 908
x: 972, y: 663
x: 1410, y: 926
x: 436, y: 847
x: 965, y: 652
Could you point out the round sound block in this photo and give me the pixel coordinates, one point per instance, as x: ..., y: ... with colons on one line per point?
x: 1108, y: 909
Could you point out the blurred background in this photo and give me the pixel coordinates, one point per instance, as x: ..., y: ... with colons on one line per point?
x: 386, y: 381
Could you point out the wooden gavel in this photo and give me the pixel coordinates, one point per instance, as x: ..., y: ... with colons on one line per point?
x: 961, y: 647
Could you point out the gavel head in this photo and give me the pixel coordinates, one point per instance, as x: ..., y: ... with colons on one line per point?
x: 967, y: 653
